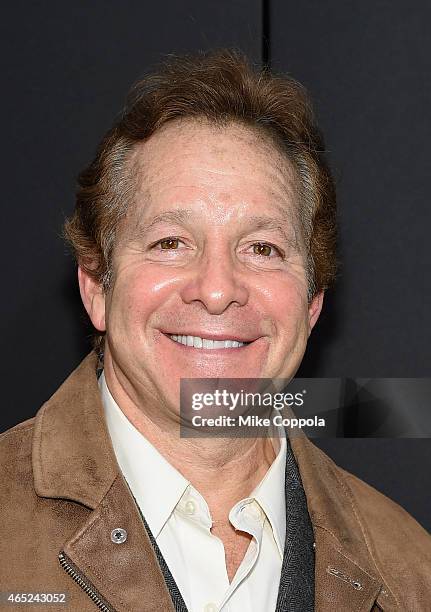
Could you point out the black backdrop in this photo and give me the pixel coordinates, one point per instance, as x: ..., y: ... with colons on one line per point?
x: 66, y: 67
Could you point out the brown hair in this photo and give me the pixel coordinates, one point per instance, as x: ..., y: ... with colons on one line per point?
x: 221, y: 87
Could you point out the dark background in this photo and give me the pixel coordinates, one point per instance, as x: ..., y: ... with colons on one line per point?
x: 66, y: 67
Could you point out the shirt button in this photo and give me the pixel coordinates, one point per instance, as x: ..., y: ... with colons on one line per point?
x: 190, y: 507
x: 210, y: 607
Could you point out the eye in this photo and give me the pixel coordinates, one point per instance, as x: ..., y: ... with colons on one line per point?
x: 265, y: 249
x: 168, y: 244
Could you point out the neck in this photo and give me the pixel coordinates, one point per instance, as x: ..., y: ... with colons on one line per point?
x: 223, y: 470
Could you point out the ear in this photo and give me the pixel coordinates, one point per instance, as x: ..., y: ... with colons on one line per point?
x: 93, y: 299
x: 314, y: 310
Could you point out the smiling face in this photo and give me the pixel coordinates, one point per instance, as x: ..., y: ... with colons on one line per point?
x: 209, y: 252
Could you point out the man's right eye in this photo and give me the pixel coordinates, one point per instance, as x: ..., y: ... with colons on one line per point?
x: 167, y: 244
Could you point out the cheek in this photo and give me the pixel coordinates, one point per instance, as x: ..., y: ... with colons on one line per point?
x: 140, y: 293
x: 284, y: 302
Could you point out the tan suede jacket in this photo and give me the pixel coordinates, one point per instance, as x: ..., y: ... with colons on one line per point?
x: 62, y: 497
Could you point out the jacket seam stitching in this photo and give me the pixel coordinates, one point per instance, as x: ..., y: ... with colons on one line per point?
x: 42, y: 470
x: 12, y: 431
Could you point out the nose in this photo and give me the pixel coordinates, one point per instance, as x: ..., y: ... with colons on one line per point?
x: 215, y: 283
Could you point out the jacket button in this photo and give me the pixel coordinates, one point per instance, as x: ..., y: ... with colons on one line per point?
x: 118, y: 535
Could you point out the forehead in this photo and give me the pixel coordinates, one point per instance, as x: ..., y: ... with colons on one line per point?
x: 233, y: 169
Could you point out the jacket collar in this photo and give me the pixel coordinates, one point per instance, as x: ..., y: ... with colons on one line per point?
x: 72, y: 453
x: 73, y: 459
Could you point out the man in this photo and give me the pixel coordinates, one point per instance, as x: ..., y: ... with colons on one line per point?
x: 204, y: 232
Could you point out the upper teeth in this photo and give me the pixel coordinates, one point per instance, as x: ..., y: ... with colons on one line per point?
x: 198, y: 342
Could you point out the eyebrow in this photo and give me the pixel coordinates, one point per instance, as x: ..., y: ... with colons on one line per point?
x: 179, y: 215
x: 257, y: 222
x: 274, y: 223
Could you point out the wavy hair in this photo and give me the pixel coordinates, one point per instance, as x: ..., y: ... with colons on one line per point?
x: 220, y: 86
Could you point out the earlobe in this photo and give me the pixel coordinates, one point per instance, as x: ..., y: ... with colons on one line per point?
x: 314, y: 310
x: 93, y: 298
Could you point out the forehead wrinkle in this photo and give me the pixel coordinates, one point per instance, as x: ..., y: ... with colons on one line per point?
x: 281, y: 193
x: 157, y: 150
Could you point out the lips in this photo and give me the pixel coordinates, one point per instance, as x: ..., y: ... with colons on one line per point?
x: 216, y: 336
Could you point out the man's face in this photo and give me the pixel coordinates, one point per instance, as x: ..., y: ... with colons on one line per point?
x: 210, y: 250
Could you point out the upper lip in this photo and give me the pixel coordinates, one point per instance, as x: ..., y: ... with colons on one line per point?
x: 212, y: 335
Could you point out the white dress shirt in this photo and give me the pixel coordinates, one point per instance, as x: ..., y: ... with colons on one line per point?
x: 180, y: 521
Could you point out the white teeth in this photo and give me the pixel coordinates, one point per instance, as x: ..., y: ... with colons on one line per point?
x: 205, y: 343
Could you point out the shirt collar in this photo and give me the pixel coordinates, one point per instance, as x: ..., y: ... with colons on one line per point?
x: 155, y: 483
x: 270, y: 492
x: 145, y: 469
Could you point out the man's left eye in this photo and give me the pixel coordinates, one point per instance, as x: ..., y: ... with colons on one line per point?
x: 169, y: 243
x: 265, y: 249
